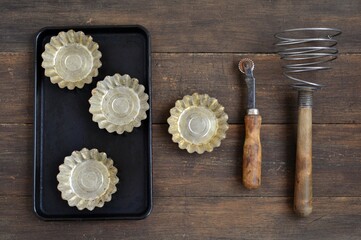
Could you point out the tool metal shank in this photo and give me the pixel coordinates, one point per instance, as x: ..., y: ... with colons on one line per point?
x: 251, y: 86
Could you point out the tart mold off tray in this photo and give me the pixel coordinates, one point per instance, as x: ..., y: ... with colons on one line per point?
x: 62, y: 124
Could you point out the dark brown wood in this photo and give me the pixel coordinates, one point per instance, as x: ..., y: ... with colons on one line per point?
x: 196, y: 218
x: 303, y: 175
x: 17, y: 87
x: 178, y: 173
x: 16, y: 159
x: 252, y: 152
x: 335, y: 163
x: 196, y: 47
x: 176, y: 75
x: 185, y: 26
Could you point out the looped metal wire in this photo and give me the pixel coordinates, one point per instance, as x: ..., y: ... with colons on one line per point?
x: 306, y: 54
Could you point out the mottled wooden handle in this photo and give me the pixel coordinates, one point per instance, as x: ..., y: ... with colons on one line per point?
x: 252, y: 152
x: 303, y: 181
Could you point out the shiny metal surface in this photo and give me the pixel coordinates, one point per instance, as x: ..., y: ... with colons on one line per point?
x: 119, y: 103
x: 306, y: 50
x: 246, y: 66
x: 87, y: 179
x: 198, y: 123
x: 71, y: 59
x: 252, y: 111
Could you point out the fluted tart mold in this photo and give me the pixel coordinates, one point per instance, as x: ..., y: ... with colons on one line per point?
x: 198, y: 123
x: 71, y: 59
x: 119, y: 103
x: 87, y: 179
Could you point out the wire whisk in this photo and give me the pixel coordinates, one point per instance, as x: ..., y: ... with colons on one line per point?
x: 306, y: 54
x: 305, y: 50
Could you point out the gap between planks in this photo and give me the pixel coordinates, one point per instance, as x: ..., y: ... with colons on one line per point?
x: 230, y: 124
x: 208, y: 197
x: 202, y: 53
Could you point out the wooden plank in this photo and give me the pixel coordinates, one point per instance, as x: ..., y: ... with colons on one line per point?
x: 176, y: 75
x: 16, y: 157
x: 336, y: 168
x: 185, y: 26
x: 336, y: 164
x: 197, y: 218
x: 17, y: 88
x: 196, y: 46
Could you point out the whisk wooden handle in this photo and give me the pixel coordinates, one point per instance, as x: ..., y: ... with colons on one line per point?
x: 303, y: 180
x: 252, y: 152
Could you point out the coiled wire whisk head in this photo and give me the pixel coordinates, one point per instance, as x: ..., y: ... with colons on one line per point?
x: 306, y: 50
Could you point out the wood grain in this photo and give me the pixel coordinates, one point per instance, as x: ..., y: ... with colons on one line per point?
x: 336, y: 164
x: 16, y: 159
x: 252, y: 152
x: 303, y: 173
x: 178, y: 173
x: 196, y: 47
x: 17, y: 87
x: 176, y: 75
x: 185, y: 26
x: 196, y: 218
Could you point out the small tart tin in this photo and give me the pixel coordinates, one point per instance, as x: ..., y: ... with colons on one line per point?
x: 87, y: 179
x: 71, y: 59
x: 119, y: 103
x: 198, y: 123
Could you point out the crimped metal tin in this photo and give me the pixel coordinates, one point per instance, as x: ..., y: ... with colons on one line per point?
x: 119, y: 103
x: 71, y: 59
x: 87, y: 179
x: 198, y: 123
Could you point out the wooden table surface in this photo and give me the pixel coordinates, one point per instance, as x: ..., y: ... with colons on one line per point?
x: 195, y: 48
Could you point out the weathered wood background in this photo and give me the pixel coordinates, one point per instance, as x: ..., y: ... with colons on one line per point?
x: 196, y: 46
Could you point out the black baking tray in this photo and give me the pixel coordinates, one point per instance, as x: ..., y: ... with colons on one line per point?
x: 63, y: 124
